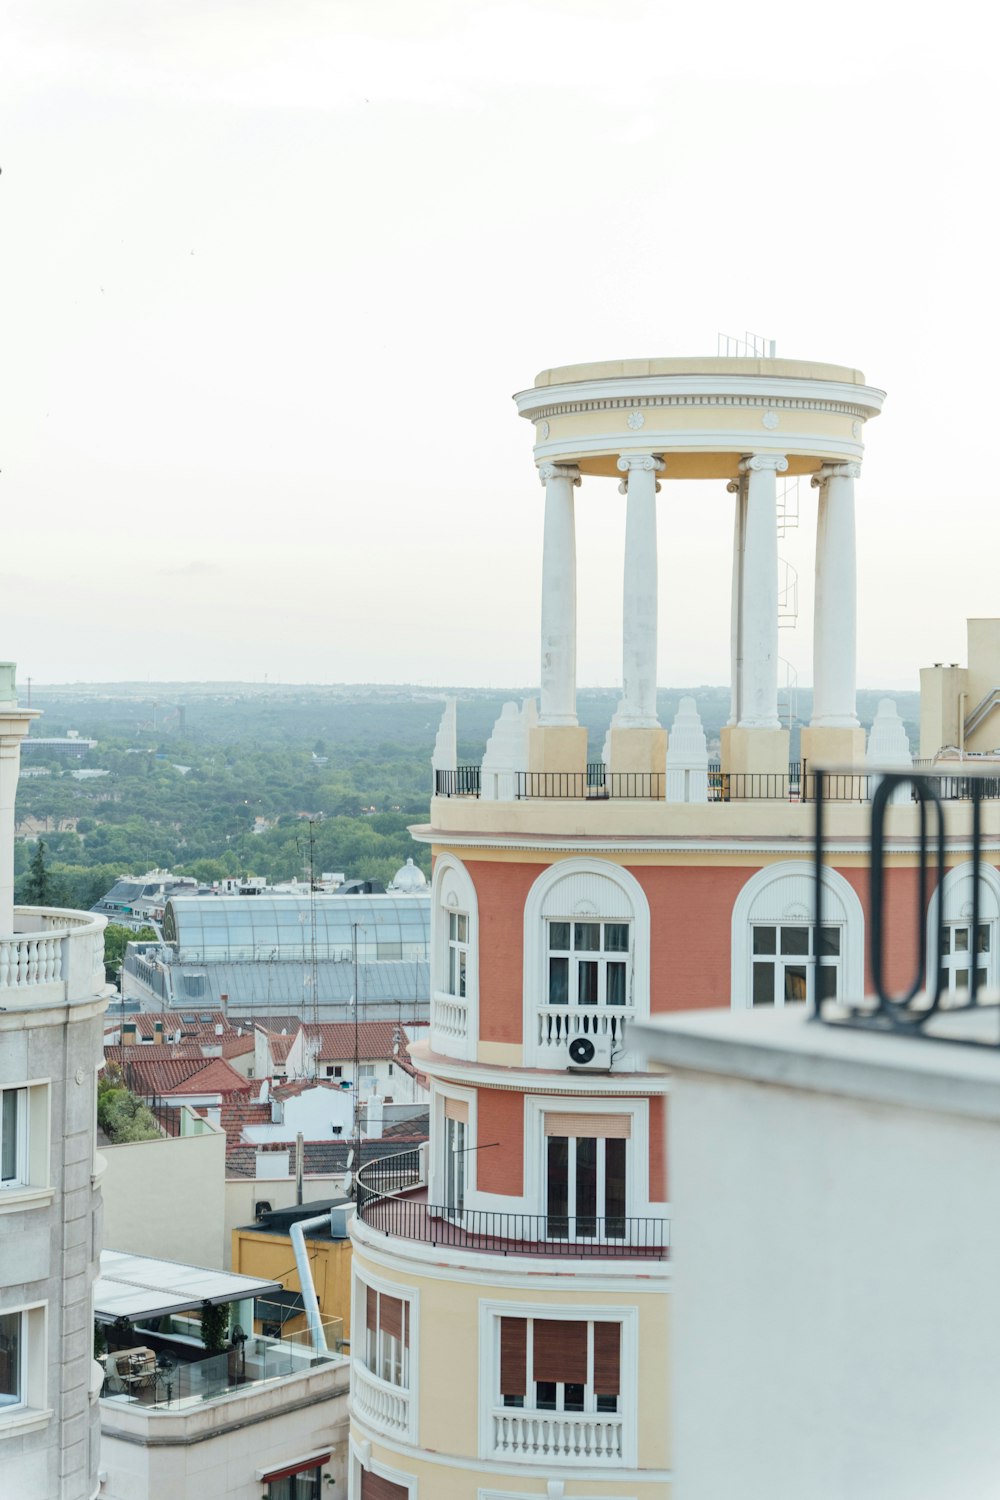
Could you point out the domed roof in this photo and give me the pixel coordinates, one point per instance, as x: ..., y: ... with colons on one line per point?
x: 409, y: 878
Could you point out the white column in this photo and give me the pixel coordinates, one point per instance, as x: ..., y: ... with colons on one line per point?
x: 14, y: 724
x: 737, y: 487
x: 835, y: 619
x: 759, y: 677
x: 558, y: 697
x: 639, y: 606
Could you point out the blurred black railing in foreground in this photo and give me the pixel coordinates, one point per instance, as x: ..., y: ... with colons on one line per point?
x: 925, y: 1006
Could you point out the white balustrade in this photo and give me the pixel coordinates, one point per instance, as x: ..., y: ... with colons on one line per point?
x: 53, y: 949
x: 451, y: 1017
x: 378, y: 1403
x: 537, y: 1436
x: 559, y: 1024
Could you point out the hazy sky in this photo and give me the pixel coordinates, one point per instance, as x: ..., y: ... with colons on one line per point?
x: 271, y: 272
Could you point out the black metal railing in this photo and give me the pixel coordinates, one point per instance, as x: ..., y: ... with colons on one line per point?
x: 464, y: 781
x: 594, y: 784
x: 389, y: 1174
x: 517, y: 1234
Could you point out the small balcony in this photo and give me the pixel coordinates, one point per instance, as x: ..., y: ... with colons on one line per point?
x: 392, y: 1200
x: 535, y: 1437
x: 383, y: 1406
x: 53, y: 955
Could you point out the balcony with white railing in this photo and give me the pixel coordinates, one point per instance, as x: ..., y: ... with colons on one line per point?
x: 382, y: 1406
x: 52, y: 955
x: 450, y: 1025
x: 569, y: 1437
x: 557, y: 1025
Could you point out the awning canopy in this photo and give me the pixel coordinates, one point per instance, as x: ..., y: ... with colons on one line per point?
x: 278, y: 1307
x: 137, y: 1286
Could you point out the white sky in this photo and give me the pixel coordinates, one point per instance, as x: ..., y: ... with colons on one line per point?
x: 271, y: 272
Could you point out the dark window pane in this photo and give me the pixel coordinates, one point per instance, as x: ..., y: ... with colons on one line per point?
x: 587, y: 982
x: 764, y: 940
x: 961, y: 940
x: 545, y: 1395
x: 559, y: 936
x: 828, y: 982
x: 557, y: 1167
x: 983, y: 940
x: 795, y: 982
x: 558, y: 981
x: 586, y: 1185
x: 614, y: 1188
x: 607, y: 1403
x: 616, y: 993
x: 513, y: 1401
x: 795, y: 940
x: 573, y: 1398
x: 616, y: 937
x: 961, y: 979
x: 587, y: 936
x: 829, y: 940
x: 763, y: 984
x: 946, y: 940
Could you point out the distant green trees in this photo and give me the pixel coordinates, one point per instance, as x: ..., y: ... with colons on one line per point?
x: 116, y: 939
x: 121, y: 1115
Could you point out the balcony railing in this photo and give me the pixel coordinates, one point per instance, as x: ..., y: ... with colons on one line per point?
x: 382, y: 1207
x: 53, y: 954
x: 559, y: 1024
x: 534, y: 1437
x: 597, y: 784
x: 382, y: 1405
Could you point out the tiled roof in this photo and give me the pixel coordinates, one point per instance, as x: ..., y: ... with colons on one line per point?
x: 322, y: 1158
x: 216, y: 1077
x: 280, y: 1046
x: 376, y: 1039
x: 237, y: 1046
x: 240, y: 1110
x: 152, y: 1071
x: 296, y: 1086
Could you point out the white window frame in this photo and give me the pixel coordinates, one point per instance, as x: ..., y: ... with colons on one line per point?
x: 31, y: 1411
x: 362, y: 1462
x: 32, y: 1182
x: 456, y: 976
x: 790, y: 905
x: 453, y: 892
x: 600, y: 956
x: 637, y: 1157
x: 779, y: 961
x: 583, y: 890
x: 436, y: 1191
x: 359, y: 1321
x: 573, y: 1214
x: 490, y: 1313
x: 955, y: 890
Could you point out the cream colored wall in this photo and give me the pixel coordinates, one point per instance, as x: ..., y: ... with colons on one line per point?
x: 797, y: 369
x: 243, y: 1193
x: 441, y: 1482
x: 449, y: 1354
x: 165, y: 1198
x: 940, y: 696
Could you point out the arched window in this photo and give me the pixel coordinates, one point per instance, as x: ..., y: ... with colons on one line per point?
x: 774, y: 961
x: 962, y: 947
x: 586, y: 958
x: 454, y: 959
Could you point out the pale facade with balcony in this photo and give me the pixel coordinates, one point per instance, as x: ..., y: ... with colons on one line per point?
x: 52, y: 997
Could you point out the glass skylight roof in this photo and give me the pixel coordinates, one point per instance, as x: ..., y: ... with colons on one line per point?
x: 236, y: 928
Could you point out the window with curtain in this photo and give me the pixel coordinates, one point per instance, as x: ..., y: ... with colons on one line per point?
x: 561, y: 1365
x: 307, y: 1484
x: 588, y: 963
x: 387, y: 1337
x: 785, y: 966
x: 586, y: 1170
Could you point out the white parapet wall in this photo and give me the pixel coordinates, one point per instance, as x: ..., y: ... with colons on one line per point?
x: 166, y: 1197
x: 836, y: 1221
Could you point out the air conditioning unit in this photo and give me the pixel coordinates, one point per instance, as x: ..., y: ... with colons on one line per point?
x: 589, y: 1054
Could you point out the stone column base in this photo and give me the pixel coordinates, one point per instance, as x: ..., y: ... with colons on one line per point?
x: 823, y: 747
x: 558, y: 747
x: 754, y: 752
x: 638, y: 750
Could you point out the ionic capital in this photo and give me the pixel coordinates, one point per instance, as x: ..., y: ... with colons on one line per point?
x: 733, y: 487
x: 757, y: 463
x: 629, y: 461
x: 558, y: 471
x: 835, y: 471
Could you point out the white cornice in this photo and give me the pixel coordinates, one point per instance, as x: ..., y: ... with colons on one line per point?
x: 527, y: 1080
x: 646, y: 844
x: 723, y: 389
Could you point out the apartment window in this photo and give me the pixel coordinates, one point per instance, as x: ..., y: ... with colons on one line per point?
x: 586, y: 1165
x: 24, y: 1137
x: 456, y: 1116
x: 12, y: 1355
x: 13, y: 1137
x: 332, y: 1071
x: 387, y: 1337
x: 366, y: 1079
x: 560, y: 1365
x: 375, y: 1487
x: 958, y: 954
x: 588, y: 963
x: 458, y: 952
x: 307, y: 1484
x: 784, y: 970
